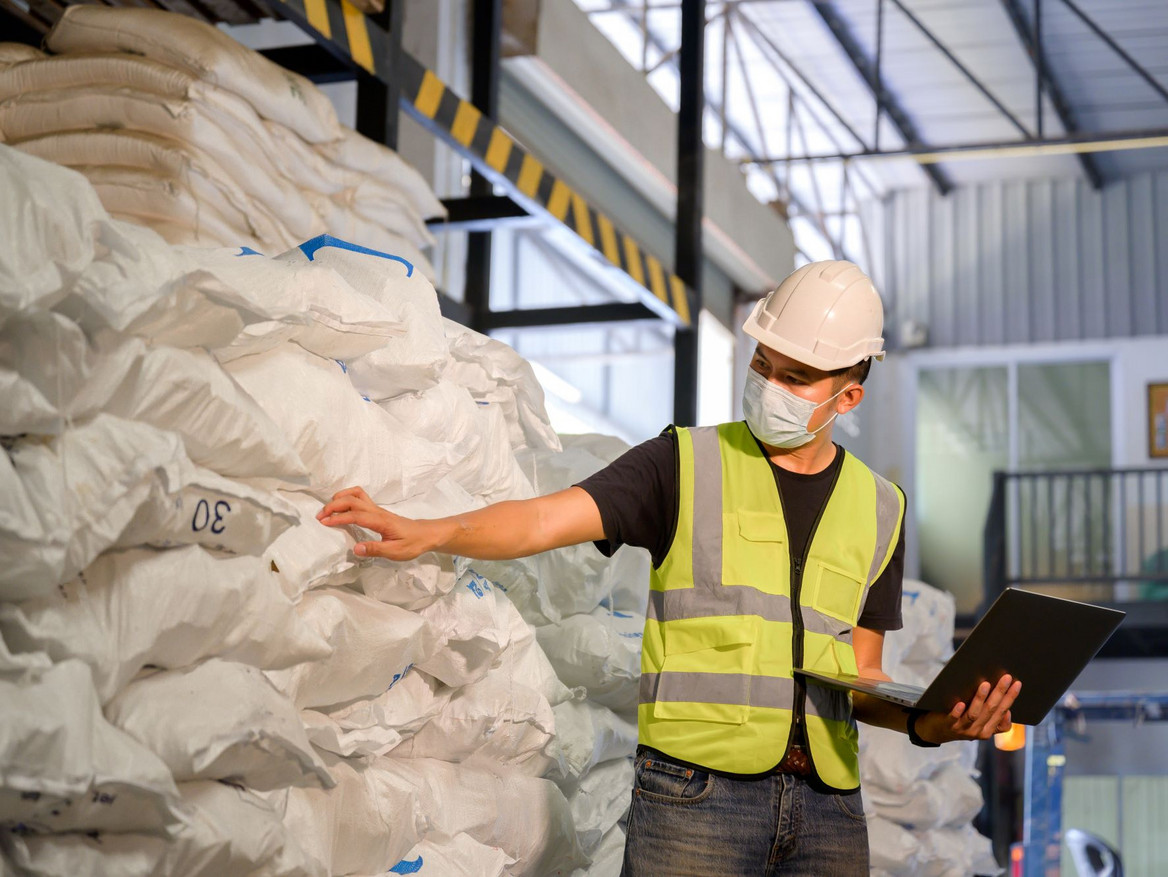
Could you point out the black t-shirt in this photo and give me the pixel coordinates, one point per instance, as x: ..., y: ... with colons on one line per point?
x: 637, y: 495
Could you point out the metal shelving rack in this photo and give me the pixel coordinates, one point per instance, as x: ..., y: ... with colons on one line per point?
x: 1046, y: 760
x: 348, y: 44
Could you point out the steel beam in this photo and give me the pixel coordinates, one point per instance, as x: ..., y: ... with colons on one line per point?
x: 359, y: 40
x: 977, y: 83
x: 312, y: 62
x: 1048, y: 83
x: 1154, y: 138
x: 1118, y: 49
x: 903, y: 124
x: 568, y: 316
x: 486, y: 35
x: 482, y: 213
x: 379, y: 97
x: 691, y: 154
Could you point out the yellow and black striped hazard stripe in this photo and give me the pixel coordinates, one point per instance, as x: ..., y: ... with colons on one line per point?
x: 491, y: 149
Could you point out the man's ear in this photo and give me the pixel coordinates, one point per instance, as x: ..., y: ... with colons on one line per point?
x: 849, y: 398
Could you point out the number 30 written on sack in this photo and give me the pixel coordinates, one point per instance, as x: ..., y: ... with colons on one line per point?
x: 203, y: 516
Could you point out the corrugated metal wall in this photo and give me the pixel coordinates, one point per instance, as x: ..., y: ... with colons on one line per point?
x: 1025, y: 261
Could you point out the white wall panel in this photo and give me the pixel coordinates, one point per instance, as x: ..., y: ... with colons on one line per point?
x: 1020, y: 262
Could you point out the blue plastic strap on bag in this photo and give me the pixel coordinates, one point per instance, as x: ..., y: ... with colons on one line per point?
x: 309, y: 248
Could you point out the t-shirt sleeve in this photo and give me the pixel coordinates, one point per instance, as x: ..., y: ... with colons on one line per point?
x: 637, y: 497
x: 882, y: 608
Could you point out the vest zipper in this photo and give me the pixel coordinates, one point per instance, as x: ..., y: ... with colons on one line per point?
x: 798, y: 565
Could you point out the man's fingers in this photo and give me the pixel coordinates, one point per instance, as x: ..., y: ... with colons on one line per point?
x: 390, y: 550
x: 368, y: 520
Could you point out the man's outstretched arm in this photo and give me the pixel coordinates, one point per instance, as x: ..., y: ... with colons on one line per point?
x: 505, y: 530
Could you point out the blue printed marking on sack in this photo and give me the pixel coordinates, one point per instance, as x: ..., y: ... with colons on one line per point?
x: 248, y: 251
x: 397, y: 677
x: 310, y: 247
x: 344, y: 368
x: 477, y: 585
x: 404, y: 867
x: 637, y: 635
x: 619, y: 614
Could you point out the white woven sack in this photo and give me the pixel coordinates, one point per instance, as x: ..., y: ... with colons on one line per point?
x: 379, y: 161
x: 524, y: 660
x: 59, y: 375
x: 892, y: 848
x: 168, y: 609
x: 588, y: 734
x: 341, y: 438
x: 476, y: 434
x: 600, y: 651
x: 229, y: 832
x: 601, y: 801
x: 51, y: 218
x: 365, y: 825
x: 112, y: 483
x: 372, y: 643
x: 550, y: 586
x: 926, y: 640
x: 311, y: 555
x: 341, y: 221
x: 608, y: 857
x: 309, y: 304
x: 63, y: 767
x: 193, y: 203
x: 493, y: 372
x: 472, y: 625
x: 412, y: 363
x: 18, y: 53
x: 62, y: 72
x: 140, y: 285
x: 223, y: 128
x: 949, y: 797
x: 219, y: 720
x: 207, y: 53
x: 527, y: 818
x: 889, y: 761
x: 496, y: 723
x: 949, y: 852
x: 459, y: 856
x: 178, y: 163
x: 418, y: 583
x: 375, y: 725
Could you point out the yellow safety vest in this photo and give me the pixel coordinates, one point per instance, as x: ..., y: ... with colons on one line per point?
x: 731, y: 611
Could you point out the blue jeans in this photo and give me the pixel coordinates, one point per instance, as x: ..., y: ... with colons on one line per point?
x: 688, y: 823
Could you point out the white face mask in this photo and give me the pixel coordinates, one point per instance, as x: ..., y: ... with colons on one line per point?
x: 776, y: 416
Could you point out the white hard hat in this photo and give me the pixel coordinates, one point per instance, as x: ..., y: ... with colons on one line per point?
x: 827, y: 315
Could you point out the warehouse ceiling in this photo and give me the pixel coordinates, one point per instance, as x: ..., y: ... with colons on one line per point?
x: 788, y: 79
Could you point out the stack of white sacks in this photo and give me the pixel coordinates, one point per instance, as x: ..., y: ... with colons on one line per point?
x: 921, y: 802
x: 196, y: 677
x: 181, y: 128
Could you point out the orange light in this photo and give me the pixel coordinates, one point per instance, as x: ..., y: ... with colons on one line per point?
x: 1011, y: 740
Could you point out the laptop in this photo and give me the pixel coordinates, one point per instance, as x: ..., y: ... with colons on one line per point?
x: 1043, y: 641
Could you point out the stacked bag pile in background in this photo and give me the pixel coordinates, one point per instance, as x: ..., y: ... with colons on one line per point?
x: 199, y: 678
x: 921, y: 802
x: 182, y: 129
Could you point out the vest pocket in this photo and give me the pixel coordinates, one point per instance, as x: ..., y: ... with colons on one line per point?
x: 755, y: 552
x: 837, y: 593
x: 706, y: 670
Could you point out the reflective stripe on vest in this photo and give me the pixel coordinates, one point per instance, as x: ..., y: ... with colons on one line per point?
x: 717, y: 686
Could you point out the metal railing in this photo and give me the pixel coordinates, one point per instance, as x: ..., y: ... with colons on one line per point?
x: 1094, y: 534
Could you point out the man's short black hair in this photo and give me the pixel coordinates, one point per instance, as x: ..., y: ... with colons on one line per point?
x: 853, y: 374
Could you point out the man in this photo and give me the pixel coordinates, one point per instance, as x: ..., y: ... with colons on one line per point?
x: 773, y: 548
